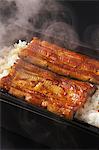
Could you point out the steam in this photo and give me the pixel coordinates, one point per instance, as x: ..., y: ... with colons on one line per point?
x: 20, y: 19
x: 62, y: 34
x: 91, y: 36
x: 14, y: 16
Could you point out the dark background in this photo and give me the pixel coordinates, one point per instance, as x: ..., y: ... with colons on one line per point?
x: 87, y: 12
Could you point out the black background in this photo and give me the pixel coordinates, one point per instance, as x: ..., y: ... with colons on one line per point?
x: 87, y: 12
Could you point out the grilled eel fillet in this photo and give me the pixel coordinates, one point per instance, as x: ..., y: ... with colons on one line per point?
x: 40, y: 87
x: 61, y: 61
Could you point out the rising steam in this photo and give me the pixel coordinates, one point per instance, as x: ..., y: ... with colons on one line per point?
x: 91, y: 36
x: 19, y: 19
x: 62, y: 34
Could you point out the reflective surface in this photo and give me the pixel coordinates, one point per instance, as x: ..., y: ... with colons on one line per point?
x: 10, y: 140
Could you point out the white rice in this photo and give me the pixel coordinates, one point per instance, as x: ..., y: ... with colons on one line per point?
x: 88, y: 113
x: 8, y: 57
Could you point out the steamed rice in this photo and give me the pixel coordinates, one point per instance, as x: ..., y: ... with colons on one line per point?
x: 88, y: 113
x: 8, y: 57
